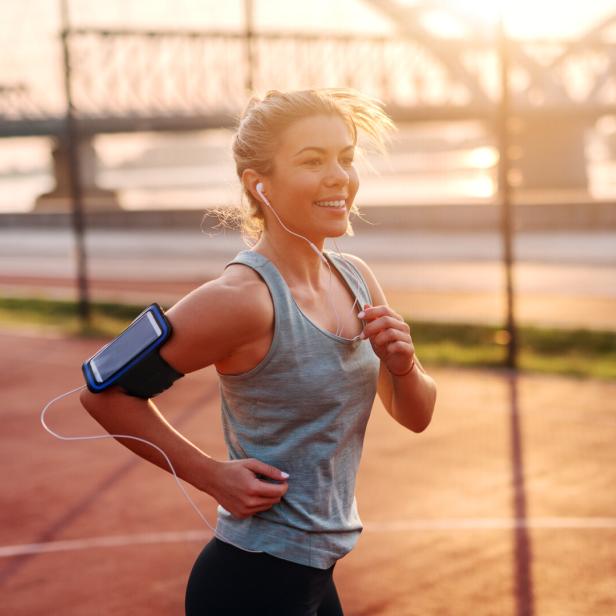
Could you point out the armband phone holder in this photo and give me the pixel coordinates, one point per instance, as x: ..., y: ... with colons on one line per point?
x: 132, y: 359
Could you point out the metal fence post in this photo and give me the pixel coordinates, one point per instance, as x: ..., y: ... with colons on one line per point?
x: 72, y: 142
x: 504, y: 191
x: 249, y: 31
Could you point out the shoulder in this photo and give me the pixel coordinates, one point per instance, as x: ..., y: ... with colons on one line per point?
x: 238, y: 292
x: 218, y: 317
x: 378, y: 296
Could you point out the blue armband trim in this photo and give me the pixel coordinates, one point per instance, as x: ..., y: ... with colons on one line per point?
x: 132, y: 360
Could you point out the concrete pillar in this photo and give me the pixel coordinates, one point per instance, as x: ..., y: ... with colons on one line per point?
x: 605, y: 131
x: 94, y: 198
x: 610, y: 141
x: 548, y: 153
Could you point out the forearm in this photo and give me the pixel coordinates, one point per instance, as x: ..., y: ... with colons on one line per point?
x: 118, y: 413
x: 412, y: 397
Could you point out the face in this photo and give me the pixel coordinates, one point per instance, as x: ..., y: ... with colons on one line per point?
x: 314, y: 182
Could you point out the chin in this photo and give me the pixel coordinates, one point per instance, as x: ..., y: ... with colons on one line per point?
x: 335, y: 229
x: 340, y: 233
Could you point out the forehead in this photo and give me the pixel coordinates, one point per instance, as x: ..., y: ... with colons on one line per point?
x: 322, y: 131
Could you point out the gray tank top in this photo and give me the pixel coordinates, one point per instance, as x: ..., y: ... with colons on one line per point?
x: 303, y: 409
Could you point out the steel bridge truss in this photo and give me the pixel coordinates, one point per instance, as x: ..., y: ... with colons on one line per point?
x: 173, y: 74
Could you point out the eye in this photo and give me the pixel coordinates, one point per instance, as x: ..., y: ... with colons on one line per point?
x: 347, y: 161
x: 313, y: 161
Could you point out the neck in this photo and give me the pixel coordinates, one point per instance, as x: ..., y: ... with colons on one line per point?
x: 294, y: 257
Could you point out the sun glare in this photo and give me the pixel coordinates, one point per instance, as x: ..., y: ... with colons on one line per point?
x: 523, y: 18
x: 485, y: 10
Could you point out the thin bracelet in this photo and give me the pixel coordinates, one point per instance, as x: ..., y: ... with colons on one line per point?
x: 408, y: 371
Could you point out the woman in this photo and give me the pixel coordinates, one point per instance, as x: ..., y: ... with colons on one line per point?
x: 302, y: 340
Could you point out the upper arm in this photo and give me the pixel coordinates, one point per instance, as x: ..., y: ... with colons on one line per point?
x: 214, y: 320
x: 385, y: 387
x: 376, y: 292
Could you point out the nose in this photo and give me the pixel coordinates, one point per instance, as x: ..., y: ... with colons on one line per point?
x: 337, y: 174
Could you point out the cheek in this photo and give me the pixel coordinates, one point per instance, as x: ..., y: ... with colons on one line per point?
x: 295, y: 184
x: 353, y: 181
x: 304, y: 182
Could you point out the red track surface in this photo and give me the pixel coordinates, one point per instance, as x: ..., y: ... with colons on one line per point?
x: 437, y: 506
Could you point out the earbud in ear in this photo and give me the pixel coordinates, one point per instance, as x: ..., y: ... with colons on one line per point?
x: 259, y: 189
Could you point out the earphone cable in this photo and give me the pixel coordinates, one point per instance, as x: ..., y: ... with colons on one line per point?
x: 318, y: 252
x: 135, y: 438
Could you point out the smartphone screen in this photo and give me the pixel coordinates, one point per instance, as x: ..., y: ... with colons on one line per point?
x: 140, y: 334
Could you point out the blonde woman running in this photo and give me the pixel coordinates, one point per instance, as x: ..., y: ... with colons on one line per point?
x: 302, y: 340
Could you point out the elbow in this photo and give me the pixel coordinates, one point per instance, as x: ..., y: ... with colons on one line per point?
x: 415, y: 414
x: 85, y: 397
x: 89, y: 402
x: 426, y: 416
x: 96, y: 403
x: 414, y: 422
x: 419, y: 428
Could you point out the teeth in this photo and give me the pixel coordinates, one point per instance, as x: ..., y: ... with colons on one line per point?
x: 340, y: 203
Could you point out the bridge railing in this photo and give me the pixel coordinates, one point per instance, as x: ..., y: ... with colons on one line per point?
x: 129, y: 73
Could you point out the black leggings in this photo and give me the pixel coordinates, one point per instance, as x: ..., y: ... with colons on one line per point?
x: 228, y: 581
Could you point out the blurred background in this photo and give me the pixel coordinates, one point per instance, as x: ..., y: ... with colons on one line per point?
x: 490, y: 223
x: 156, y: 91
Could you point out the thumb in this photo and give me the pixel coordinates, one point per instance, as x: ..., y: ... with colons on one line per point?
x: 265, y: 469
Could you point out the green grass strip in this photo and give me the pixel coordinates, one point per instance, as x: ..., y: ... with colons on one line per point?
x: 107, y: 318
x: 572, y: 352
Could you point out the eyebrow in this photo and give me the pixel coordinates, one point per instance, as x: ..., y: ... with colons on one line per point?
x: 322, y: 150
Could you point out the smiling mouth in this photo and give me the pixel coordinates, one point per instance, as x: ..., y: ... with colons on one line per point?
x: 333, y: 204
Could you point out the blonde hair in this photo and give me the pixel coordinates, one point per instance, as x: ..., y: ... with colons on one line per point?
x: 263, y: 121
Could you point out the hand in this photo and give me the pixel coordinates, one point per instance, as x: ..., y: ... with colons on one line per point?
x: 236, y: 487
x: 390, y: 338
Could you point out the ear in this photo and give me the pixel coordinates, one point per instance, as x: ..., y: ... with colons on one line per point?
x: 250, y: 179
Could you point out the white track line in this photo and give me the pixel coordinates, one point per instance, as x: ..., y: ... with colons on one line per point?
x: 393, y: 526
x: 488, y: 524
x: 104, y: 542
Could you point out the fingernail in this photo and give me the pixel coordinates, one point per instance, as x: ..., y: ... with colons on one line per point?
x: 361, y: 315
x: 285, y: 475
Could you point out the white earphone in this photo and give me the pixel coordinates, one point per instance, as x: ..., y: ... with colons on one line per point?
x: 259, y: 189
